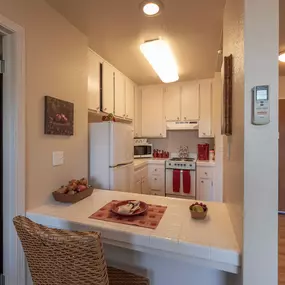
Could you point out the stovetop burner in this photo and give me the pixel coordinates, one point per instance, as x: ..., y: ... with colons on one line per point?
x: 182, y: 159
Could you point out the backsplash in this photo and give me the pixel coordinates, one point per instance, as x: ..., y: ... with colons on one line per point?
x: 177, y: 138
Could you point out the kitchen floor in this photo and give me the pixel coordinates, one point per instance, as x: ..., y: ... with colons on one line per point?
x: 281, y: 259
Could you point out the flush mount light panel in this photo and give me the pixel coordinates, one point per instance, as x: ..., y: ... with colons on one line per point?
x: 282, y: 56
x: 158, y: 53
x: 151, y: 8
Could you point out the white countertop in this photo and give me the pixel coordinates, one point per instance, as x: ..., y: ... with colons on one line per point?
x: 210, y: 242
x: 208, y: 163
x: 138, y: 163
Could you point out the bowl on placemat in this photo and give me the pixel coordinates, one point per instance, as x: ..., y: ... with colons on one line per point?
x: 141, y: 210
x: 198, y: 211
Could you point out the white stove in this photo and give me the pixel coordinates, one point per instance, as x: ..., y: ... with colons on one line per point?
x: 180, y: 163
x: 181, y: 177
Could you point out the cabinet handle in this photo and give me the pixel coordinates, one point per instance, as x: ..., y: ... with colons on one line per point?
x: 202, y: 181
x: 178, y: 118
x: 204, y: 134
x: 185, y: 118
x: 105, y: 109
x: 161, y: 135
x: 155, y: 179
x: 155, y: 170
x: 206, y: 173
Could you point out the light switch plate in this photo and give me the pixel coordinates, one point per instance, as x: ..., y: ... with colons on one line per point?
x: 57, y: 158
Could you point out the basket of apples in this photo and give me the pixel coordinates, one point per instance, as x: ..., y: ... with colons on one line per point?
x: 198, y: 211
x: 75, y: 191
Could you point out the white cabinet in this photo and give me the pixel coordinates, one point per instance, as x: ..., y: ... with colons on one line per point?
x: 153, y: 121
x: 205, y: 184
x: 120, y: 98
x: 190, y: 101
x: 156, y: 177
x: 206, y: 191
x: 94, y: 62
x: 141, y: 181
x: 108, y: 88
x: 205, y: 122
x: 145, y: 186
x: 138, y: 113
x: 130, y: 97
x: 171, y: 102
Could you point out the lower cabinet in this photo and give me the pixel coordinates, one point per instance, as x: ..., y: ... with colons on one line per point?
x: 156, y: 177
x: 140, y: 184
x: 205, y: 183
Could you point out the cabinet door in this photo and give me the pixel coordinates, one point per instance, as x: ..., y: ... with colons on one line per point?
x: 171, y: 100
x: 190, y: 101
x: 145, y: 186
x: 153, y: 121
x: 93, y: 81
x: 130, y: 97
x: 205, y: 190
x: 137, y: 187
x: 108, y: 88
x: 205, y: 123
x: 120, y: 94
x: 138, y: 113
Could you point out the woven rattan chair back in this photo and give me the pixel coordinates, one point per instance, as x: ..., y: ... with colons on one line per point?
x: 59, y: 257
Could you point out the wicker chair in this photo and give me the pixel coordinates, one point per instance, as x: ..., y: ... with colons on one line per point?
x: 59, y: 257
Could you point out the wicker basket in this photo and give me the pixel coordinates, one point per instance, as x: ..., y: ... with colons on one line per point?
x: 65, y: 198
x: 198, y: 216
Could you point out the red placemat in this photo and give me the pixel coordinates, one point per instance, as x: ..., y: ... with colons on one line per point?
x: 149, y: 219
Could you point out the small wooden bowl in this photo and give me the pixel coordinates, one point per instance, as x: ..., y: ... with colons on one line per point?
x: 65, y: 198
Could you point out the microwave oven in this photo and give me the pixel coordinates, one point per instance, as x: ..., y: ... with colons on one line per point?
x: 143, y: 150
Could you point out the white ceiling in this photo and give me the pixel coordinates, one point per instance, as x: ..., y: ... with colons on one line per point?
x: 116, y: 28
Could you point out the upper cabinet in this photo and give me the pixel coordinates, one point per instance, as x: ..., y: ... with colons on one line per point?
x: 171, y: 100
x: 190, y: 101
x: 205, y: 123
x: 94, y: 62
x: 108, y: 88
x: 130, y: 99
x: 153, y: 120
x: 120, y: 94
x: 138, y: 113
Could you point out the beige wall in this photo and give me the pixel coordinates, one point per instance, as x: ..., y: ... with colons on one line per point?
x: 260, y: 255
x: 56, y: 65
x: 234, y: 146
x: 177, y: 138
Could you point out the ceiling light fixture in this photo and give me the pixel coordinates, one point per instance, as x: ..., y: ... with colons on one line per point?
x: 158, y: 53
x: 151, y: 8
x: 282, y: 56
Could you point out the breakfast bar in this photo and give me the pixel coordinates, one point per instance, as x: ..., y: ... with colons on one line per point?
x: 179, y: 248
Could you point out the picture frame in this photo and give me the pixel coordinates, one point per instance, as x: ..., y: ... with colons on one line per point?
x: 59, y: 117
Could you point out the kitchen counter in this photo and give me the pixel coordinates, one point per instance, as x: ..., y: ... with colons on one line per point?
x: 206, y: 163
x: 139, y: 163
x: 210, y: 243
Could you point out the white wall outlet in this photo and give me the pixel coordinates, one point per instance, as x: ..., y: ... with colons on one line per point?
x: 57, y: 158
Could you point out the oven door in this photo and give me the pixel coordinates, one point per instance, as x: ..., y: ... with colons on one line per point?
x: 169, y: 184
x: 143, y: 150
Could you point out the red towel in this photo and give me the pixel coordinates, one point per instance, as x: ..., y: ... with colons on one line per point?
x: 186, y: 181
x: 176, y: 181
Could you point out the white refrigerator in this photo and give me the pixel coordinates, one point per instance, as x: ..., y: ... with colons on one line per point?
x: 111, y: 155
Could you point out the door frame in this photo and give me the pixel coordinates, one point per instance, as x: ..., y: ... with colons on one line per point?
x: 14, y: 123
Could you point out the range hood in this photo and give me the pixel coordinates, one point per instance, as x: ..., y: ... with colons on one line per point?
x: 182, y: 125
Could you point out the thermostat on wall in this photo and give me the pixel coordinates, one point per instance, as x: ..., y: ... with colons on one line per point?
x: 260, y: 105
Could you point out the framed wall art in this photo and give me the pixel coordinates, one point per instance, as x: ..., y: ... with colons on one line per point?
x: 227, y: 96
x: 59, y: 117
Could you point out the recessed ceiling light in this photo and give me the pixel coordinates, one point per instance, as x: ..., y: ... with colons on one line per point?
x: 159, y: 54
x: 151, y: 8
x: 282, y: 56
